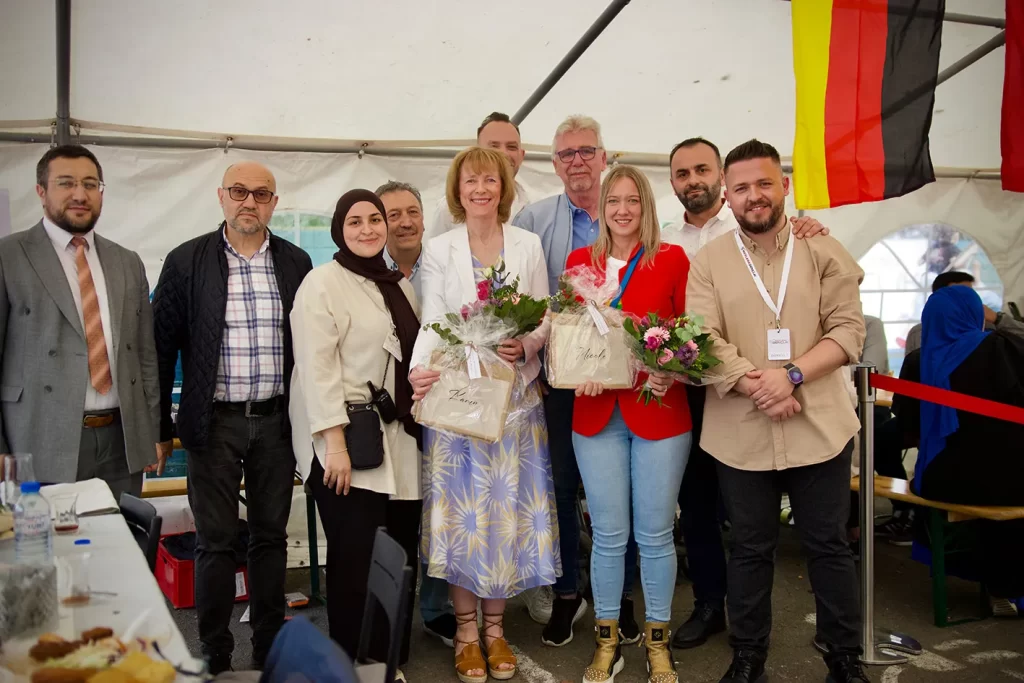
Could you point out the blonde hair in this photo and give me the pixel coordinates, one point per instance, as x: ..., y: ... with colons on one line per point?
x: 576, y: 123
x: 481, y: 159
x: 650, y: 232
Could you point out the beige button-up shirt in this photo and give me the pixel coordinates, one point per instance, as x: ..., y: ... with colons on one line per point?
x: 822, y: 301
x: 340, y: 323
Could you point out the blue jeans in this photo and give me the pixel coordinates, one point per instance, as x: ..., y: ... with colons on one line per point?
x: 558, y: 406
x: 433, y: 597
x: 618, y: 466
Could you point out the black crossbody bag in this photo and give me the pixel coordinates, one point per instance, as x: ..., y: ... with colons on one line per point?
x: 363, y: 435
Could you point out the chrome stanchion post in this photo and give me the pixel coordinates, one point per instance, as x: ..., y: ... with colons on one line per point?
x: 872, y: 639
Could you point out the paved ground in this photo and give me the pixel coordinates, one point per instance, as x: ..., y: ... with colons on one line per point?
x: 988, y: 651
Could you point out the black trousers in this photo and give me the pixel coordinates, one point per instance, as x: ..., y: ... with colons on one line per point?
x: 698, y: 503
x: 350, y: 523
x: 821, y: 499
x: 261, y: 448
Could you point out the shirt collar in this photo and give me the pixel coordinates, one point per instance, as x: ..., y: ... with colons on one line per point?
x: 575, y: 208
x: 61, y: 238
x: 394, y: 266
x: 781, y: 239
x: 723, y: 214
x: 231, y: 250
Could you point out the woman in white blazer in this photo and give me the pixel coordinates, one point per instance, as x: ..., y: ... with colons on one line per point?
x: 489, y: 525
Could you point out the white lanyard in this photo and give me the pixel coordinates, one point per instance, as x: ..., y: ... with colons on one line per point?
x: 776, y: 309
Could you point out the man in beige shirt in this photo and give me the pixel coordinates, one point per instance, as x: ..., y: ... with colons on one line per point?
x: 785, y: 316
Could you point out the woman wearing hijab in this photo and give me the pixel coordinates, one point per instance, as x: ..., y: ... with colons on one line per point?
x: 489, y: 524
x: 967, y: 458
x: 354, y: 323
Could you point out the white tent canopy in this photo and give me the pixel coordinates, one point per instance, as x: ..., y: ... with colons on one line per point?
x: 410, y: 74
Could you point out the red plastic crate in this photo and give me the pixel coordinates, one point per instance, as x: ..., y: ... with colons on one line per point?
x: 176, y: 579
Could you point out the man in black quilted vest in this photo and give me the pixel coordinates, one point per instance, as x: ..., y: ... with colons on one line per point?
x: 223, y: 302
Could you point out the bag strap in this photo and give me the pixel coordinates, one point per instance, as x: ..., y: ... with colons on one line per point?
x: 617, y: 301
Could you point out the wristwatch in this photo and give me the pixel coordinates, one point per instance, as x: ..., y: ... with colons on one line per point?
x: 796, y: 376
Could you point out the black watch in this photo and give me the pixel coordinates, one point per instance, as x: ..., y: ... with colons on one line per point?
x: 796, y: 376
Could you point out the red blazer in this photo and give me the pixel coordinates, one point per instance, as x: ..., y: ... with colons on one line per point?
x: 658, y: 287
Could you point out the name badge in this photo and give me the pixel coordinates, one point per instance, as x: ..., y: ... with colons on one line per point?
x: 778, y: 345
x: 393, y: 346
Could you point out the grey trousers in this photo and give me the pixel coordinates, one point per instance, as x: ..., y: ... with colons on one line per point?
x: 102, y: 455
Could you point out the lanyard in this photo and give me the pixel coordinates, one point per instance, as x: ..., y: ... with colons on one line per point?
x: 617, y: 301
x: 777, y: 310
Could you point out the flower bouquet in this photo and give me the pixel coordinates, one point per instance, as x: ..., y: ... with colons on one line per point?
x: 479, y: 394
x: 675, y: 346
x: 587, y: 342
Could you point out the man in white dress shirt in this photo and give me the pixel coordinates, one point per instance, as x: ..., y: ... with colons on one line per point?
x: 497, y: 132
x: 697, y: 177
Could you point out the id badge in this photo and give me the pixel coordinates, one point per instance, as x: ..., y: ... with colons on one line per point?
x: 393, y: 346
x: 778, y: 345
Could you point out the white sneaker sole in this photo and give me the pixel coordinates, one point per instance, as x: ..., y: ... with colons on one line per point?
x: 617, y: 668
x: 579, y: 615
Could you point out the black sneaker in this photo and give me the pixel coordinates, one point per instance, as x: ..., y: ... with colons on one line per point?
x: 442, y: 628
x: 897, y: 530
x: 564, y: 613
x: 845, y: 669
x: 218, y: 664
x: 747, y: 667
x: 705, y: 621
x: 629, y: 630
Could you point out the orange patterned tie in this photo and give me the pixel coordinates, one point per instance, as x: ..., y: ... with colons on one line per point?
x: 99, y: 363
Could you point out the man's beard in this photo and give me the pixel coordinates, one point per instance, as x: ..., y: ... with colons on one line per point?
x: 708, y: 197
x: 247, y: 228
x: 62, y: 220
x: 761, y: 227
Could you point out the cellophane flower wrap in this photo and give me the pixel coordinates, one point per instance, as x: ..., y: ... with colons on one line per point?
x: 479, y: 394
x: 673, y: 346
x: 579, y: 347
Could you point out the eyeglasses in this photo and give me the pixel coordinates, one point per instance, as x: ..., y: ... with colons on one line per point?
x: 240, y: 194
x: 69, y: 184
x: 586, y: 153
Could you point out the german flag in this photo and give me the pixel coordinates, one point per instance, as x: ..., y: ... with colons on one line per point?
x: 865, y: 87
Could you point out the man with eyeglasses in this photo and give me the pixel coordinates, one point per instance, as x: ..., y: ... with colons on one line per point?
x: 566, y: 222
x: 79, y: 378
x: 497, y: 131
x: 223, y: 302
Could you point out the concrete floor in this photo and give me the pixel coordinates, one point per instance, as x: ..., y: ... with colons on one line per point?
x: 991, y: 650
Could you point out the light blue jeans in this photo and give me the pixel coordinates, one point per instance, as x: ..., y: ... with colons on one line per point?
x: 614, y: 463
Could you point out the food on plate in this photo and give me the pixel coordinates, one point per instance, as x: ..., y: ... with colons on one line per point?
x: 112, y: 676
x: 94, y: 634
x: 53, y: 649
x: 51, y: 638
x: 144, y: 669
x: 54, y: 674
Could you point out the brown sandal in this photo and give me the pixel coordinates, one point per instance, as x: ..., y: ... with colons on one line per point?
x: 471, y: 658
x: 498, y: 652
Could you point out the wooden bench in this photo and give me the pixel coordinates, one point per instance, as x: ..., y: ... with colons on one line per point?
x: 940, y: 517
x: 178, y: 486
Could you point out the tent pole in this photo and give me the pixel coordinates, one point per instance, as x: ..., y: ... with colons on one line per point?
x: 63, y: 126
x: 990, y: 45
x: 563, y: 66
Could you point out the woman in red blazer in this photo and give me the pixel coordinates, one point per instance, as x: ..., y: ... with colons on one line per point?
x: 627, y: 450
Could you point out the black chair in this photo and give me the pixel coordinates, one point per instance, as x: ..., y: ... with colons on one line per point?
x: 145, y: 525
x: 389, y: 585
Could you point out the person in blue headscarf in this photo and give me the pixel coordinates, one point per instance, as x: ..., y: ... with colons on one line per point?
x: 967, y: 458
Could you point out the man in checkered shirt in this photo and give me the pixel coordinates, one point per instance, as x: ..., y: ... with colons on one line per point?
x: 222, y: 303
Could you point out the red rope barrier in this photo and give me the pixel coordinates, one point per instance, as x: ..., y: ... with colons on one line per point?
x: 950, y: 399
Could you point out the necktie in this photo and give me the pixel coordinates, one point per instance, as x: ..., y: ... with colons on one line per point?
x: 99, y: 362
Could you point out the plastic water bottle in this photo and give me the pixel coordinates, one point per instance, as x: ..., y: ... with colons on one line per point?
x: 33, y: 535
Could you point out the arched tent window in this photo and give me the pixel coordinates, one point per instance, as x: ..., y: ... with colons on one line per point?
x: 310, y: 230
x: 899, y: 270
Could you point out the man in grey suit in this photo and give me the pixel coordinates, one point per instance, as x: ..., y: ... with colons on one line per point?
x: 80, y: 389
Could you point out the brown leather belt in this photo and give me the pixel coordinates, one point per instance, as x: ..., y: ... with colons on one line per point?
x: 92, y: 421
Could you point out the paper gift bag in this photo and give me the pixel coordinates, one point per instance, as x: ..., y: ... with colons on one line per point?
x: 470, y: 407
x: 577, y: 352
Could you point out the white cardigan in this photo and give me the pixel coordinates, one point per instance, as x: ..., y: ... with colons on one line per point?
x: 446, y: 279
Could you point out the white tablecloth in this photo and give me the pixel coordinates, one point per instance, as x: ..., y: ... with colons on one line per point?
x: 116, y: 565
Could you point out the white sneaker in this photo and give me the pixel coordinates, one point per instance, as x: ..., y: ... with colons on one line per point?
x: 539, y: 601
